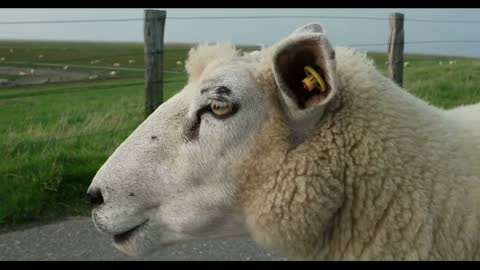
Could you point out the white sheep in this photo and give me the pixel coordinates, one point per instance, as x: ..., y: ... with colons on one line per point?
x: 113, y: 73
x: 66, y: 67
x: 96, y: 61
x: 93, y: 77
x: 32, y: 71
x: 406, y: 64
x: 131, y: 61
x: 40, y: 56
x: 2, y: 58
x: 179, y: 63
x: 116, y: 64
x: 22, y: 73
x: 440, y: 63
x: 361, y: 170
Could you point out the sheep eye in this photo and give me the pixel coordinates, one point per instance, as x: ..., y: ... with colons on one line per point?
x: 221, y: 108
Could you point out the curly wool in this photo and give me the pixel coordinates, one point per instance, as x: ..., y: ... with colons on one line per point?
x: 385, y: 176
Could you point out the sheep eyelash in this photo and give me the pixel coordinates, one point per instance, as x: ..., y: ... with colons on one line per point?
x: 191, y: 129
x: 219, y: 103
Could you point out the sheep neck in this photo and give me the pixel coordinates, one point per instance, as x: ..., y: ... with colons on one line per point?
x: 363, y: 186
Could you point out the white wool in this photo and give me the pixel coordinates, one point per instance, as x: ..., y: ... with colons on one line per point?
x: 204, y: 54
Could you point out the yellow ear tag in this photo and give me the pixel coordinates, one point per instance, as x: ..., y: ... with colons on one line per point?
x: 313, y: 80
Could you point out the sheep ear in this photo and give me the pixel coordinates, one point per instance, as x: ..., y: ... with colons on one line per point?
x: 309, y: 28
x: 307, y: 46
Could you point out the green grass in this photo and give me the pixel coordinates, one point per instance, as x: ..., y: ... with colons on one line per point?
x: 444, y: 85
x: 53, y: 138
x: 8, y: 77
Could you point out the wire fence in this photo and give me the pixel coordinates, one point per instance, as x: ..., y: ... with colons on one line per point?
x: 176, y: 55
x: 239, y: 18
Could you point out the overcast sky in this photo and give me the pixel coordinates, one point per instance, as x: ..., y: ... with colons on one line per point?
x: 252, y: 31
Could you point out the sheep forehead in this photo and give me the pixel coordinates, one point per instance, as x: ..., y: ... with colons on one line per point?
x: 206, y: 56
x: 236, y: 75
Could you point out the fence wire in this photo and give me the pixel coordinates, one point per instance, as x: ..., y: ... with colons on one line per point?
x: 239, y: 18
x: 140, y: 54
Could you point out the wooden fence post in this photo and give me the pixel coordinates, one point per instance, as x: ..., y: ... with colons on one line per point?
x: 154, y: 25
x: 395, y: 48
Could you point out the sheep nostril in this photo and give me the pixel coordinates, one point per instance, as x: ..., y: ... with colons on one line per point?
x: 95, y: 197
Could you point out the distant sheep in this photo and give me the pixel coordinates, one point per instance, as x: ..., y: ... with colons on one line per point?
x: 41, y: 56
x: 406, y: 64
x: 93, y: 77
x: 440, y: 63
x: 452, y: 62
x: 21, y: 73
x: 113, y: 73
x: 95, y: 61
x: 179, y: 63
x: 65, y: 67
x: 32, y: 71
x: 131, y: 61
x: 2, y: 58
x: 116, y: 64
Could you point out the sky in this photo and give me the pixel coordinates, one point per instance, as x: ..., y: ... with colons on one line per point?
x: 253, y: 31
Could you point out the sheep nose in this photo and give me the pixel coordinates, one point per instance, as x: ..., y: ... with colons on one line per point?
x: 95, y: 196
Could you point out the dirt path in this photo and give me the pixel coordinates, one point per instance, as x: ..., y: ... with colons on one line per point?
x: 77, y: 239
x: 40, y: 75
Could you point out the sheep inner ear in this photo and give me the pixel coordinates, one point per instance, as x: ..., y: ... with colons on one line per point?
x: 289, y: 69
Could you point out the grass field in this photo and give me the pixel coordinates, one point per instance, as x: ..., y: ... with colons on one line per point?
x: 53, y: 138
x: 8, y: 77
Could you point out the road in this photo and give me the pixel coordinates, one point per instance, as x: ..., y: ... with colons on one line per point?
x: 77, y: 239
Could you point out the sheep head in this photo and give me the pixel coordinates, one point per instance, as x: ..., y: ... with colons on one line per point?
x: 178, y: 176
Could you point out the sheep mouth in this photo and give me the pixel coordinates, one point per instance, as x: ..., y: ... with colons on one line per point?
x: 125, y: 236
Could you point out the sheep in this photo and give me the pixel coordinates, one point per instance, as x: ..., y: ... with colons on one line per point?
x: 32, y: 71
x: 2, y: 58
x: 40, y: 56
x: 179, y: 63
x: 96, y: 61
x: 66, y: 67
x: 22, y: 73
x: 116, y: 64
x: 440, y: 63
x: 362, y: 170
x: 93, y: 77
x: 131, y: 61
x: 406, y: 64
x: 113, y: 73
